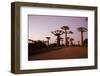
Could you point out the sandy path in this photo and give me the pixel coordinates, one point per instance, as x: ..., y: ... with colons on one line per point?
x: 64, y: 53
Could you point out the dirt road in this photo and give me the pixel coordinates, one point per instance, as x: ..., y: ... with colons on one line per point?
x: 64, y: 53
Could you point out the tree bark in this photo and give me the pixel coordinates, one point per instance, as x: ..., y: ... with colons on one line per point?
x: 81, y: 38
x: 58, y: 40
x: 66, y: 44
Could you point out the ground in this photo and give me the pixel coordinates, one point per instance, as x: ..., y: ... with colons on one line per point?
x: 63, y: 53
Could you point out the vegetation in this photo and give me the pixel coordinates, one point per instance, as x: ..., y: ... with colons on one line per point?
x: 48, y: 38
x: 85, y: 43
x: 40, y: 47
x: 58, y: 33
x: 82, y: 30
x: 71, y: 41
x: 65, y: 28
x: 36, y: 47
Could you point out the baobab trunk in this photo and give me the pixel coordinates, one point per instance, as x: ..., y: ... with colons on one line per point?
x: 58, y: 40
x: 66, y: 44
x: 81, y: 38
x: 71, y: 43
x: 48, y: 42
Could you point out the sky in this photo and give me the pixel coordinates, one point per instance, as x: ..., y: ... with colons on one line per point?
x: 41, y: 26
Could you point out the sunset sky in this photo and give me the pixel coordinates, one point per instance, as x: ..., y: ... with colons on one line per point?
x: 41, y: 26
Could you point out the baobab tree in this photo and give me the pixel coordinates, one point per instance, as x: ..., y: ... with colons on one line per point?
x: 82, y: 30
x: 85, y: 42
x: 61, y: 39
x: 48, y: 38
x: 78, y: 42
x: 70, y: 32
x: 58, y: 33
x: 30, y: 41
x: 65, y: 28
x: 68, y: 41
x: 71, y: 41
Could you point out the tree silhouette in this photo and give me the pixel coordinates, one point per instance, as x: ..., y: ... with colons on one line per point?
x: 30, y: 41
x: 48, y: 38
x: 70, y: 32
x: 65, y: 28
x: 58, y: 33
x: 61, y: 39
x: 71, y: 41
x: 85, y: 42
x: 68, y: 41
x: 78, y: 43
x: 82, y: 30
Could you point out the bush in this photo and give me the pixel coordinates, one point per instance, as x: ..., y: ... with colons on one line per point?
x: 37, y: 45
x: 53, y: 45
x: 85, y: 43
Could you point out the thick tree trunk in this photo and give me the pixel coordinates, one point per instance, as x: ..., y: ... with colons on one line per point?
x: 58, y: 40
x: 66, y: 44
x: 81, y: 38
x: 48, y: 42
x: 71, y: 43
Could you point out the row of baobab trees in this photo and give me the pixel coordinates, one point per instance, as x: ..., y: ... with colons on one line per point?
x: 65, y: 30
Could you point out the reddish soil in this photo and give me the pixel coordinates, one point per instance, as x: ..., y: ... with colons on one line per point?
x: 64, y: 53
